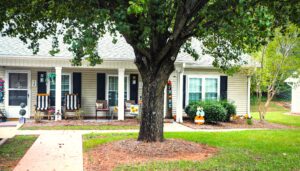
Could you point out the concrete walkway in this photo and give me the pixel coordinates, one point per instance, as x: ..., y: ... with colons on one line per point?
x: 9, y: 129
x: 61, y: 150
x: 54, y: 151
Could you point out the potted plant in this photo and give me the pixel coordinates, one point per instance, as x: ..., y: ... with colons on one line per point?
x: 51, y: 112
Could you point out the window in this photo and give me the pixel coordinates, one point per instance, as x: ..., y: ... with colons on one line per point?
x: 202, y: 88
x: 195, y: 89
x: 65, y: 88
x: 211, y: 88
x: 113, y: 90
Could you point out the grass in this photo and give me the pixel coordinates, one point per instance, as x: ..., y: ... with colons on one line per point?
x: 247, y: 150
x: 13, y: 150
x: 280, y: 118
x: 274, y: 107
x: 276, y: 114
x: 92, y: 140
x: 82, y: 127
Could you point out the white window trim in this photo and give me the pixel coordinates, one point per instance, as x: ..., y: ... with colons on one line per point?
x: 70, y: 81
x: 107, y: 85
x: 203, y: 77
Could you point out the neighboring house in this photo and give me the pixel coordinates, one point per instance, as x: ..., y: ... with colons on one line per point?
x: 295, y: 102
x: 26, y: 74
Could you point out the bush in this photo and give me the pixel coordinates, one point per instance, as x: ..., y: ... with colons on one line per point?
x: 249, y: 121
x: 191, y: 109
x: 230, y: 108
x: 214, y: 111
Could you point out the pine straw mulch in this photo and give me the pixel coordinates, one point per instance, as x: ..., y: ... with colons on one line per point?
x: 126, y: 122
x: 237, y: 124
x: 125, y: 152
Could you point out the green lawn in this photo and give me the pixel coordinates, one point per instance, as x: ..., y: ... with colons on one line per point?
x: 272, y: 108
x: 13, y: 150
x: 247, y: 150
x: 279, y: 117
x: 82, y: 127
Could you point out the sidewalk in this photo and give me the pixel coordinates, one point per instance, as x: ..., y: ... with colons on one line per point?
x: 9, y: 129
x: 168, y: 127
x: 56, y: 151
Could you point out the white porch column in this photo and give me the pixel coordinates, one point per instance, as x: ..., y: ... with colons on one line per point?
x: 179, y: 106
x: 58, y: 91
x: 121, y: 74
x: 165, y: 101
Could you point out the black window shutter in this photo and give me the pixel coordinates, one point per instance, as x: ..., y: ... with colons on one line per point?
x: 223, y: 87
x: 184, y: 91
x: 100, y: 86
x: 41, y: 82
x: 77, y: 84
x: 134, y: 87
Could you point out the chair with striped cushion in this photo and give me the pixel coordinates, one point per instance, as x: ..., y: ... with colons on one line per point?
x: 72, y: 105
x: 42, y: 104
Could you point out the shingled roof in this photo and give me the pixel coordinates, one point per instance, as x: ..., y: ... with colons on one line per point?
x: 14, y: 47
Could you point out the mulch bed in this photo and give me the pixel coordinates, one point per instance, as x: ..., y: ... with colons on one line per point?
x: 127, y: 122
x: 126, y: 152
x: 241, y: 123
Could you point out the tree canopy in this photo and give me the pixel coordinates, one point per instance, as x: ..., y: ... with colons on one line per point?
x: 156, y: 29
x: 153, y: 28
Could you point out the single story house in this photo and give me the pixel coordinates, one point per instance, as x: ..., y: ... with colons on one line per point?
x: 25, y: 75
x: 295, y: 100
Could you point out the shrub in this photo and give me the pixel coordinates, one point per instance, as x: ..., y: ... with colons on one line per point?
x: 191, y: 109
x: 249, y: 121
x: 214, y: 112
x: 230, y: 108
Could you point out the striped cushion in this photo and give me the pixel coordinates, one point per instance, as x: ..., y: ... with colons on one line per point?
x: 72, y: 102
x: 42, y: 102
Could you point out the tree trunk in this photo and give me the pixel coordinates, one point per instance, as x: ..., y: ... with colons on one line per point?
x: 154, y: 77
x: 151, y: 126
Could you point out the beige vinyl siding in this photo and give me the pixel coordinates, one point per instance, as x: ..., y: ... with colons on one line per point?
x: 2, y: 75
x: 237, y: 88
x: 238, y: 92
x: 173, y: 79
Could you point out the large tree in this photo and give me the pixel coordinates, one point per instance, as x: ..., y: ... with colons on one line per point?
x: 279, y: 59
x: 156, y: 29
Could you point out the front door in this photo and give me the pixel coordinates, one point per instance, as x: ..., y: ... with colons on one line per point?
x: 18, y: 91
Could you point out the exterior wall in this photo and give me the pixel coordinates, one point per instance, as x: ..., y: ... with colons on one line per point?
x: 238, y: 92
x: 237, y: 88
x: 295, y: 99
x: 89, y: 85
x: 2, y: 76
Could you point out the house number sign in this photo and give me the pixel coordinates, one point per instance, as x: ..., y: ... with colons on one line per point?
x: 1, y: 90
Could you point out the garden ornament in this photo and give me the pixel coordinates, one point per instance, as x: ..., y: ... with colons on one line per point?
x: 22, y: 112
x: 200, y: 111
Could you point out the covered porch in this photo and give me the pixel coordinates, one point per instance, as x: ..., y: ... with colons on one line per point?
x: 102, y: 82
